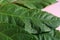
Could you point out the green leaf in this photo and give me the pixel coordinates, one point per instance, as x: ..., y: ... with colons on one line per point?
x: 4, y: 37
x: 39, y: 26
x: 57, y: 34
x: 32, y: 4
x: 2, y: 2
x: 33, y: 21
x: 14, y: 32
x: 14, y: 14
x: 48, y: 36
x: 23, y: 36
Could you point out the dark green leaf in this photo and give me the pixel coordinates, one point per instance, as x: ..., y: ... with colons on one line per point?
x: 4, y: 37
x: 14, y: 32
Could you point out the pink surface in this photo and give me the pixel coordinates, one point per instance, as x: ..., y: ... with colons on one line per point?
x: 58, y: 0
x: 54, y: 9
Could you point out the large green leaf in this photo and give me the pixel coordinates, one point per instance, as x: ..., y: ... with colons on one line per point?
x: 32, y: 4
x: 14, y: 14
x: 23, y: 20
x: 13, y: 32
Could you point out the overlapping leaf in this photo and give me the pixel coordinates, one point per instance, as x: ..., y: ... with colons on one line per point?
x: 25, y: 22
x: 14, y: 14
x: 12, y: 32
x: 32, y: 4
x: 48, y: 36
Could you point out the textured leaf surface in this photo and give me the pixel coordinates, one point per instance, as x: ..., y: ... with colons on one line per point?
x: 14, y: 14
x: 35, y: 3
x: 32, y: 4
x: 23, y: 20
x: 12, y: 32
x: 4, y: 37
x: 2, y: 2
x: 48, y: 36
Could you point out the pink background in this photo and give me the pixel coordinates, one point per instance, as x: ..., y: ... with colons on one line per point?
x: 54, y: 9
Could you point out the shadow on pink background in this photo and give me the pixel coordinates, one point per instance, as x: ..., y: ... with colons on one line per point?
x: 54, y: 9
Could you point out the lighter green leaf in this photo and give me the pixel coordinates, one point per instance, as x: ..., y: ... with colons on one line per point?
x: 2, y: 2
